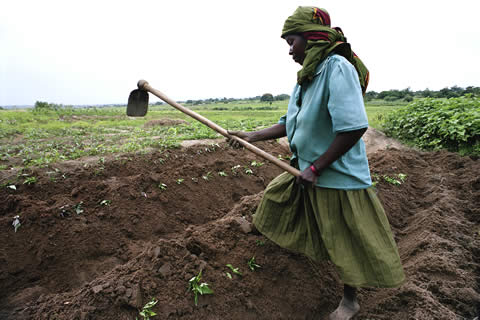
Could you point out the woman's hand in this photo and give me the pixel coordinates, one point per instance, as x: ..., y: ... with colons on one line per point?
x: 247, y: 136
x: 307, y: 177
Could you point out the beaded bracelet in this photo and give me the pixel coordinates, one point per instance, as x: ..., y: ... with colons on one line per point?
x: 314, y: 170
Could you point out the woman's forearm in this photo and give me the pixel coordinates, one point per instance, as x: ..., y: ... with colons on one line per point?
x: 274, y: 132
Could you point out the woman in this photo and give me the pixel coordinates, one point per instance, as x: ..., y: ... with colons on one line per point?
x: 330, y: 211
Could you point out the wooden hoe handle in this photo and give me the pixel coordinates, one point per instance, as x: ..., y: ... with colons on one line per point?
x: 143, y: 85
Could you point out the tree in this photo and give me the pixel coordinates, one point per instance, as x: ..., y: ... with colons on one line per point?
x: 267, y: 97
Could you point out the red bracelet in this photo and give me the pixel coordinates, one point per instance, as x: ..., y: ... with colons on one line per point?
x: 314, y: 170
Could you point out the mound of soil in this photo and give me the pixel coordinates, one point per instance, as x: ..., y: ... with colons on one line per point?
x: 164, y: 122
x: 100, y: 239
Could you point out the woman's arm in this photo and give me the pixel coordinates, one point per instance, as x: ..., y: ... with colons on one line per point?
x: 340, y: 145
x: 274, y: 132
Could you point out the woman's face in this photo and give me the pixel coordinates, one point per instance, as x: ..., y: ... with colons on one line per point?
x: 297, y: 45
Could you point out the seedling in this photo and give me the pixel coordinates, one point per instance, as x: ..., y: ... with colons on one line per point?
x: 248, y: 170
x: 30, y: 180
x: 222, y: 174
x: 234, y: 270
x: 16, y: 222
x: 162, y: 186
x: 280, y: 157
x: 252, y: 264
x: 392, y: 180
x: 207, y: 176
x: 78, y: 208
x: 402, y: 176
x: 65, y: 210
x: 256, y: 164
x: 229, y: 276
x: 234, y: 169
x: 260, y: 243
x: 12, y: 186
x: 147, y: 311
x: 105, y: 202
x: 195, y: 180
x: 179, y: 181
x: 197, y: 288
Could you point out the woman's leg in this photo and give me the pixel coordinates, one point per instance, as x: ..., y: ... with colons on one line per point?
x: 348, y: 307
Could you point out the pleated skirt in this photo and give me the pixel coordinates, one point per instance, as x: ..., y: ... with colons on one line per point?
x: 347, y: 227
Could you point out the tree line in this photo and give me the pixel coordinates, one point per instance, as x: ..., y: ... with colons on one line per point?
x: 408, y: 95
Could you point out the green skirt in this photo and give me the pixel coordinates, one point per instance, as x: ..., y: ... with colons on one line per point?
x: 347, y: 227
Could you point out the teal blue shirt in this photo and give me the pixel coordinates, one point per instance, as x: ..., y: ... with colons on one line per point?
x: 331, y: 103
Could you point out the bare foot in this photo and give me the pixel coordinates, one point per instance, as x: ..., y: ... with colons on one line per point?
x: 346, y: 310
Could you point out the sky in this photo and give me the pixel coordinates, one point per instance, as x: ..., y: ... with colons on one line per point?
x: 94, y: 52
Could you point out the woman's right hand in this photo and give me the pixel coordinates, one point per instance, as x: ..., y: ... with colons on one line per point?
x: 247, y: 136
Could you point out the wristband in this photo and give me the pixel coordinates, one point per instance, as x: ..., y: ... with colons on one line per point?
x: 314, y: 170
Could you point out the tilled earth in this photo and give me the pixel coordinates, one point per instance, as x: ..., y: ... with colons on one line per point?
x: 101, y: 237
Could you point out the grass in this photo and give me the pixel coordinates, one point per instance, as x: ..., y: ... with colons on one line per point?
x: 32, y: 139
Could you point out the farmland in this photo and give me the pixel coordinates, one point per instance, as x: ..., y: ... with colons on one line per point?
x: 31, y: 138
x: 114, y: 212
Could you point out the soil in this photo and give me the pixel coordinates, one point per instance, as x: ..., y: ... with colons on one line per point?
x: 100, y: 239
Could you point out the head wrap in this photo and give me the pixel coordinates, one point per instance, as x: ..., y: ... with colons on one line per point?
x: 314, y: 25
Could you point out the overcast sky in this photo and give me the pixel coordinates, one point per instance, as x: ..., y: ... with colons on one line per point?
x: 94, y: 52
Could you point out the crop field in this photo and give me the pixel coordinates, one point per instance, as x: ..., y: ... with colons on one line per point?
x: 104, y: 216
x: 31, y: 138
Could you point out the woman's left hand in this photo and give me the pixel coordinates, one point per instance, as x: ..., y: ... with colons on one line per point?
x: 307, y: 177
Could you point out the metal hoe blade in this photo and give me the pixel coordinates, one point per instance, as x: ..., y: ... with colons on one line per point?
x: 137, y: 103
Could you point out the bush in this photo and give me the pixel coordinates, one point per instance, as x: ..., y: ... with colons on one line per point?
x: 432, y: 124
x: 41, y: 106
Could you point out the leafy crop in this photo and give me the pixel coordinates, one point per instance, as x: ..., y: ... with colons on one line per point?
x: 30, y: 180
x: 252, y: 264
x: 197, y: 288
x: 234, y: 270
x: 147, y: 311
x: 433, y: 124
x: 16, y: 222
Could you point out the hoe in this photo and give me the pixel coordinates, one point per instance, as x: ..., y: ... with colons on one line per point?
x: 138, y: 107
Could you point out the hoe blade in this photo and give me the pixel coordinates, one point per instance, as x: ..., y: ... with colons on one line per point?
x: 137, y: 103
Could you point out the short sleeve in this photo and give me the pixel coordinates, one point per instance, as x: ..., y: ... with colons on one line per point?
x: 283, y: 120
x: 345, y: 103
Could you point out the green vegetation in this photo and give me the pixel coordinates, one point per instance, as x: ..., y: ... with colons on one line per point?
x: 252, y: 264
x: 16, y: 223
x: 433, y: 124
x: 234, y: 270
x: 197, y: 288
x: 50, y: 132
x: 147, y: 311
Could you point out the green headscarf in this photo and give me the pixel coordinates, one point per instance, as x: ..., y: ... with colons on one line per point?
x: 314, y: 25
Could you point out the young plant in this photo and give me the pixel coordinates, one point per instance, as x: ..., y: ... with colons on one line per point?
x: 392, y: 180
x: 248, y: 170
x: 234, y: 270
x: 260, y: 243
x: 234, y: 169
x: 162, y: 186
x: 222, y: 174
x: 207, y: 176
x: 105, y: 203
x: 179, y: 181
x: 30, y: 180
x: 252, y: 264
x: 12, y: 186
x: 197, y: 288
x: 78, y: 208
x: 147, y: 311
x: 16, y: 222
x: 256, y: 164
